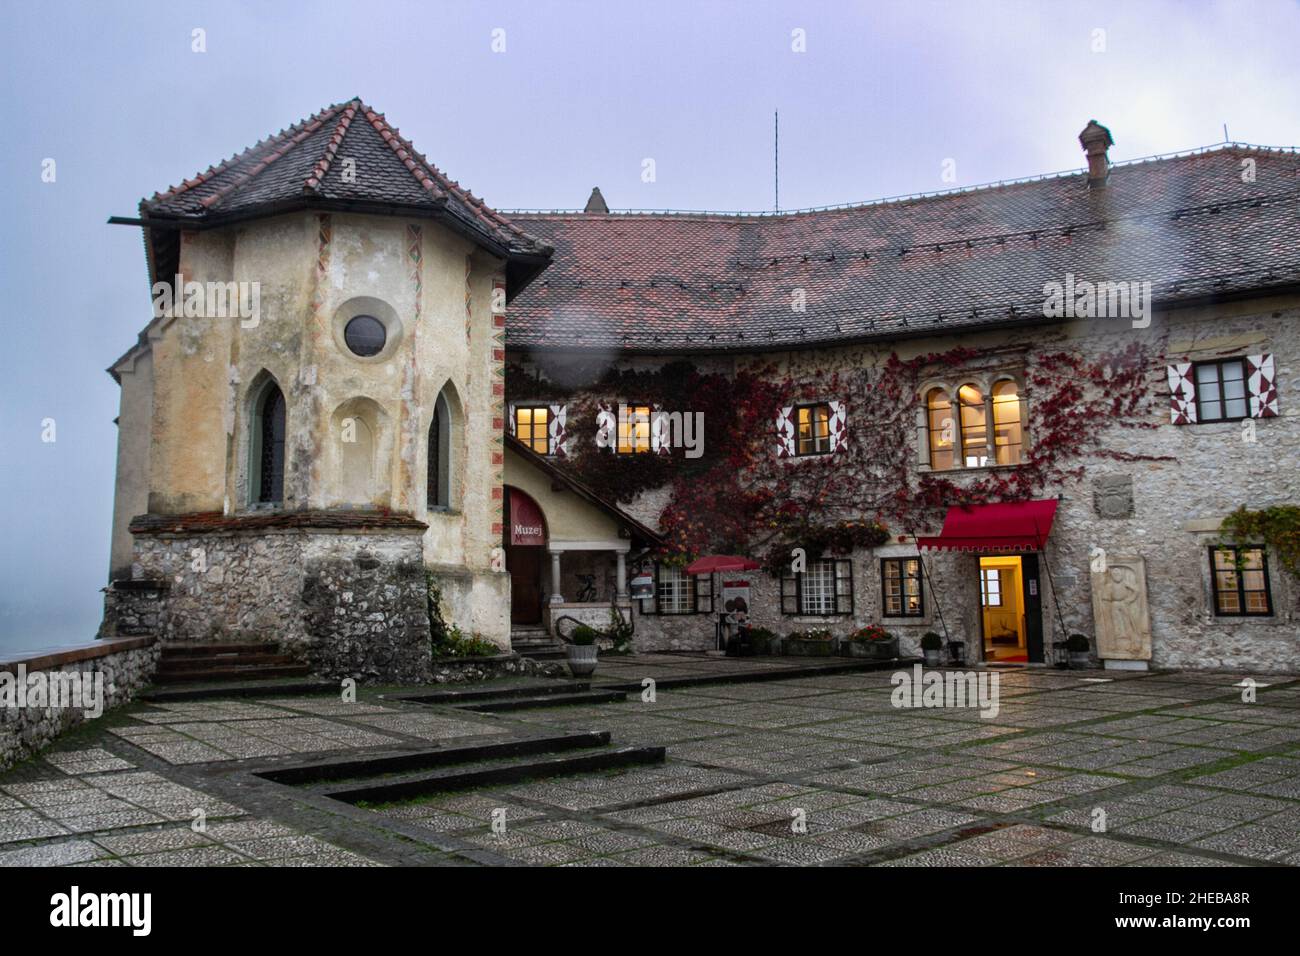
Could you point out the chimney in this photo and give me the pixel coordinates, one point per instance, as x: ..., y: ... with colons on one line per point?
x: 596, y: 202
x: 1096, y: 139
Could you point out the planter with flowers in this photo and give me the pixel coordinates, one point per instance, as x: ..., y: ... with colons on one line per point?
x: 814, y: 642
x: 872, y: 642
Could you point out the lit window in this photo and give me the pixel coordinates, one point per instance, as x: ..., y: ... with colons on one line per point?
x: 531, y: 423
x: 813, y: 429
x: 1007, y: 435
x: 634, y: 429
x: 900, y: 584
x: 974, y: 427
x: 941, y: 428
x: 991, y: 587
x: 1221, y: 391
x: 1241, y: 586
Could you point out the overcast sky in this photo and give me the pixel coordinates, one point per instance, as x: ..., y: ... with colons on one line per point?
x: 881, y: 95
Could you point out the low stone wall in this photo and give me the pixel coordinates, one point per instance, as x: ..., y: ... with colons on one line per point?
x: 43, y: 696
x: 349, y: 601
x: 465, y: 670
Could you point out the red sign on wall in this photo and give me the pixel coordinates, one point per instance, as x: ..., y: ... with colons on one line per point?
x: 527, y: 526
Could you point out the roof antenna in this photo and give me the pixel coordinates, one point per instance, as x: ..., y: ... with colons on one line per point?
x: 776, y: 160
x: 1225, y: 133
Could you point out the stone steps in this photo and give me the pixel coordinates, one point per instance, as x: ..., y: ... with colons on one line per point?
x: 511, y: 771
x: 547, y: 700
x: 182, y: 663
x: 327, y: 773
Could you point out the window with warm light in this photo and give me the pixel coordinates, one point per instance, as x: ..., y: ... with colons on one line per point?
x: 531, y: 427
x: 634, y: 429
x: 813, y: 429
x: 900, y: 586
x: 941, y: 428
x: 1007, y: 432
x: 974, y: 427
x: 1241, y: 586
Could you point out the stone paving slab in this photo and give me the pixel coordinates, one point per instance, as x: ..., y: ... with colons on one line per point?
x: 812, y: 769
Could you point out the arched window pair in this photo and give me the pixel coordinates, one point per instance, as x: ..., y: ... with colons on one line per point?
x: 266, y: 451
x: 960, y: 436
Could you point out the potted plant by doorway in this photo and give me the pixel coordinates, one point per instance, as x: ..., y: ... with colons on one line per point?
x: 931, y: 645
x: 582, y: 650
x: 1077, y: 645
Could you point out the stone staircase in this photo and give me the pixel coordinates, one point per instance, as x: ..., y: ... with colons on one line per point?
x: 194, y: 663
x: 536, y: 644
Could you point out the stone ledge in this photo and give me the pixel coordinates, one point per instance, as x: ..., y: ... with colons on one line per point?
x: 60, y: 657
x: 215, y: 522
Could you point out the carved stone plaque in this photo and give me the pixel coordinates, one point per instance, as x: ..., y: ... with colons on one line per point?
x: 1120, y: 610
x: 1112, y: 496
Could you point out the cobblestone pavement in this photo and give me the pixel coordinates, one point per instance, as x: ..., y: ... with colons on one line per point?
x: 811, y: 769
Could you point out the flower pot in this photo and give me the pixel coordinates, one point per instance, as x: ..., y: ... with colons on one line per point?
x: 809, y: 648
x: 874, y: 650
x: 931, y: 657
x: 582, y: 659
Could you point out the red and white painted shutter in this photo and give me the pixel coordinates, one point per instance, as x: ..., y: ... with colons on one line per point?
x: 606, y: 427
x: 555, y: 431
x: 785, y: 433
x: 1261, y: 382
x: 1182, y: 394
x: 839, y: 433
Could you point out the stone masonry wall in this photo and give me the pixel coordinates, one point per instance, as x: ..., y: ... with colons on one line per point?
x: 126, y: 665
x: 351, y: 604
x: 1182, y: 481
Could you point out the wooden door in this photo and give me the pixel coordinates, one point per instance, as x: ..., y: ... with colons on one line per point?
x: 525, y: 567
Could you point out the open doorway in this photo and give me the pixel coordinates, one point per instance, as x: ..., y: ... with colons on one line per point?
x: 1000, y: 610
x: 1011, y: 609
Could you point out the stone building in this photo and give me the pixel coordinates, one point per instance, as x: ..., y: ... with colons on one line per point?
x: 315, y: 421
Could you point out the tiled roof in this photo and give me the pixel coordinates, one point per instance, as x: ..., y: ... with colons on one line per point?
x: 311, y: 164
x: 1192, y: 225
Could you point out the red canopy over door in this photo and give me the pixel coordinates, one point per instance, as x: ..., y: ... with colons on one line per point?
x: 1008, y: 526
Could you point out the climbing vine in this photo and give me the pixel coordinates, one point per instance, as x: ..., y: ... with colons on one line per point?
x: 1277, y: 527
x: 740, y: 497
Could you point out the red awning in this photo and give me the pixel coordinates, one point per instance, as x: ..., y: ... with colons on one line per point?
x: 1009, y: 526
x: 721, y: 562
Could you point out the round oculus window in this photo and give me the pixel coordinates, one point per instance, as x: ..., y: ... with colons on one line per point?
x: 365, y: 335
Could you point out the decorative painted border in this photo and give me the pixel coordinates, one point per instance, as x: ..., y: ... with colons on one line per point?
x: 415, y: 253
x: 498, y: 378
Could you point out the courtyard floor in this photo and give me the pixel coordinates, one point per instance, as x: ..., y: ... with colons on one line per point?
x: 1183, y: 771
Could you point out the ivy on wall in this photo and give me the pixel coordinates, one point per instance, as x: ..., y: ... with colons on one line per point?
x: 1277, y: 527
x: 739, y: 497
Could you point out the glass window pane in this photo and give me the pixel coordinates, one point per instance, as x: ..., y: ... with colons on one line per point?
x: 1229, y: 602
x: 942, y: 429
x: 1006, y: 423
x: 974, y: 427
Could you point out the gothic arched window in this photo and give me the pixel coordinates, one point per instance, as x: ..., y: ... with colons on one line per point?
x: 268, y: 446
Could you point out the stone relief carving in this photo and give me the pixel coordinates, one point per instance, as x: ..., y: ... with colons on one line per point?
x: 1112, y: 496
x: 1120, y: 609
